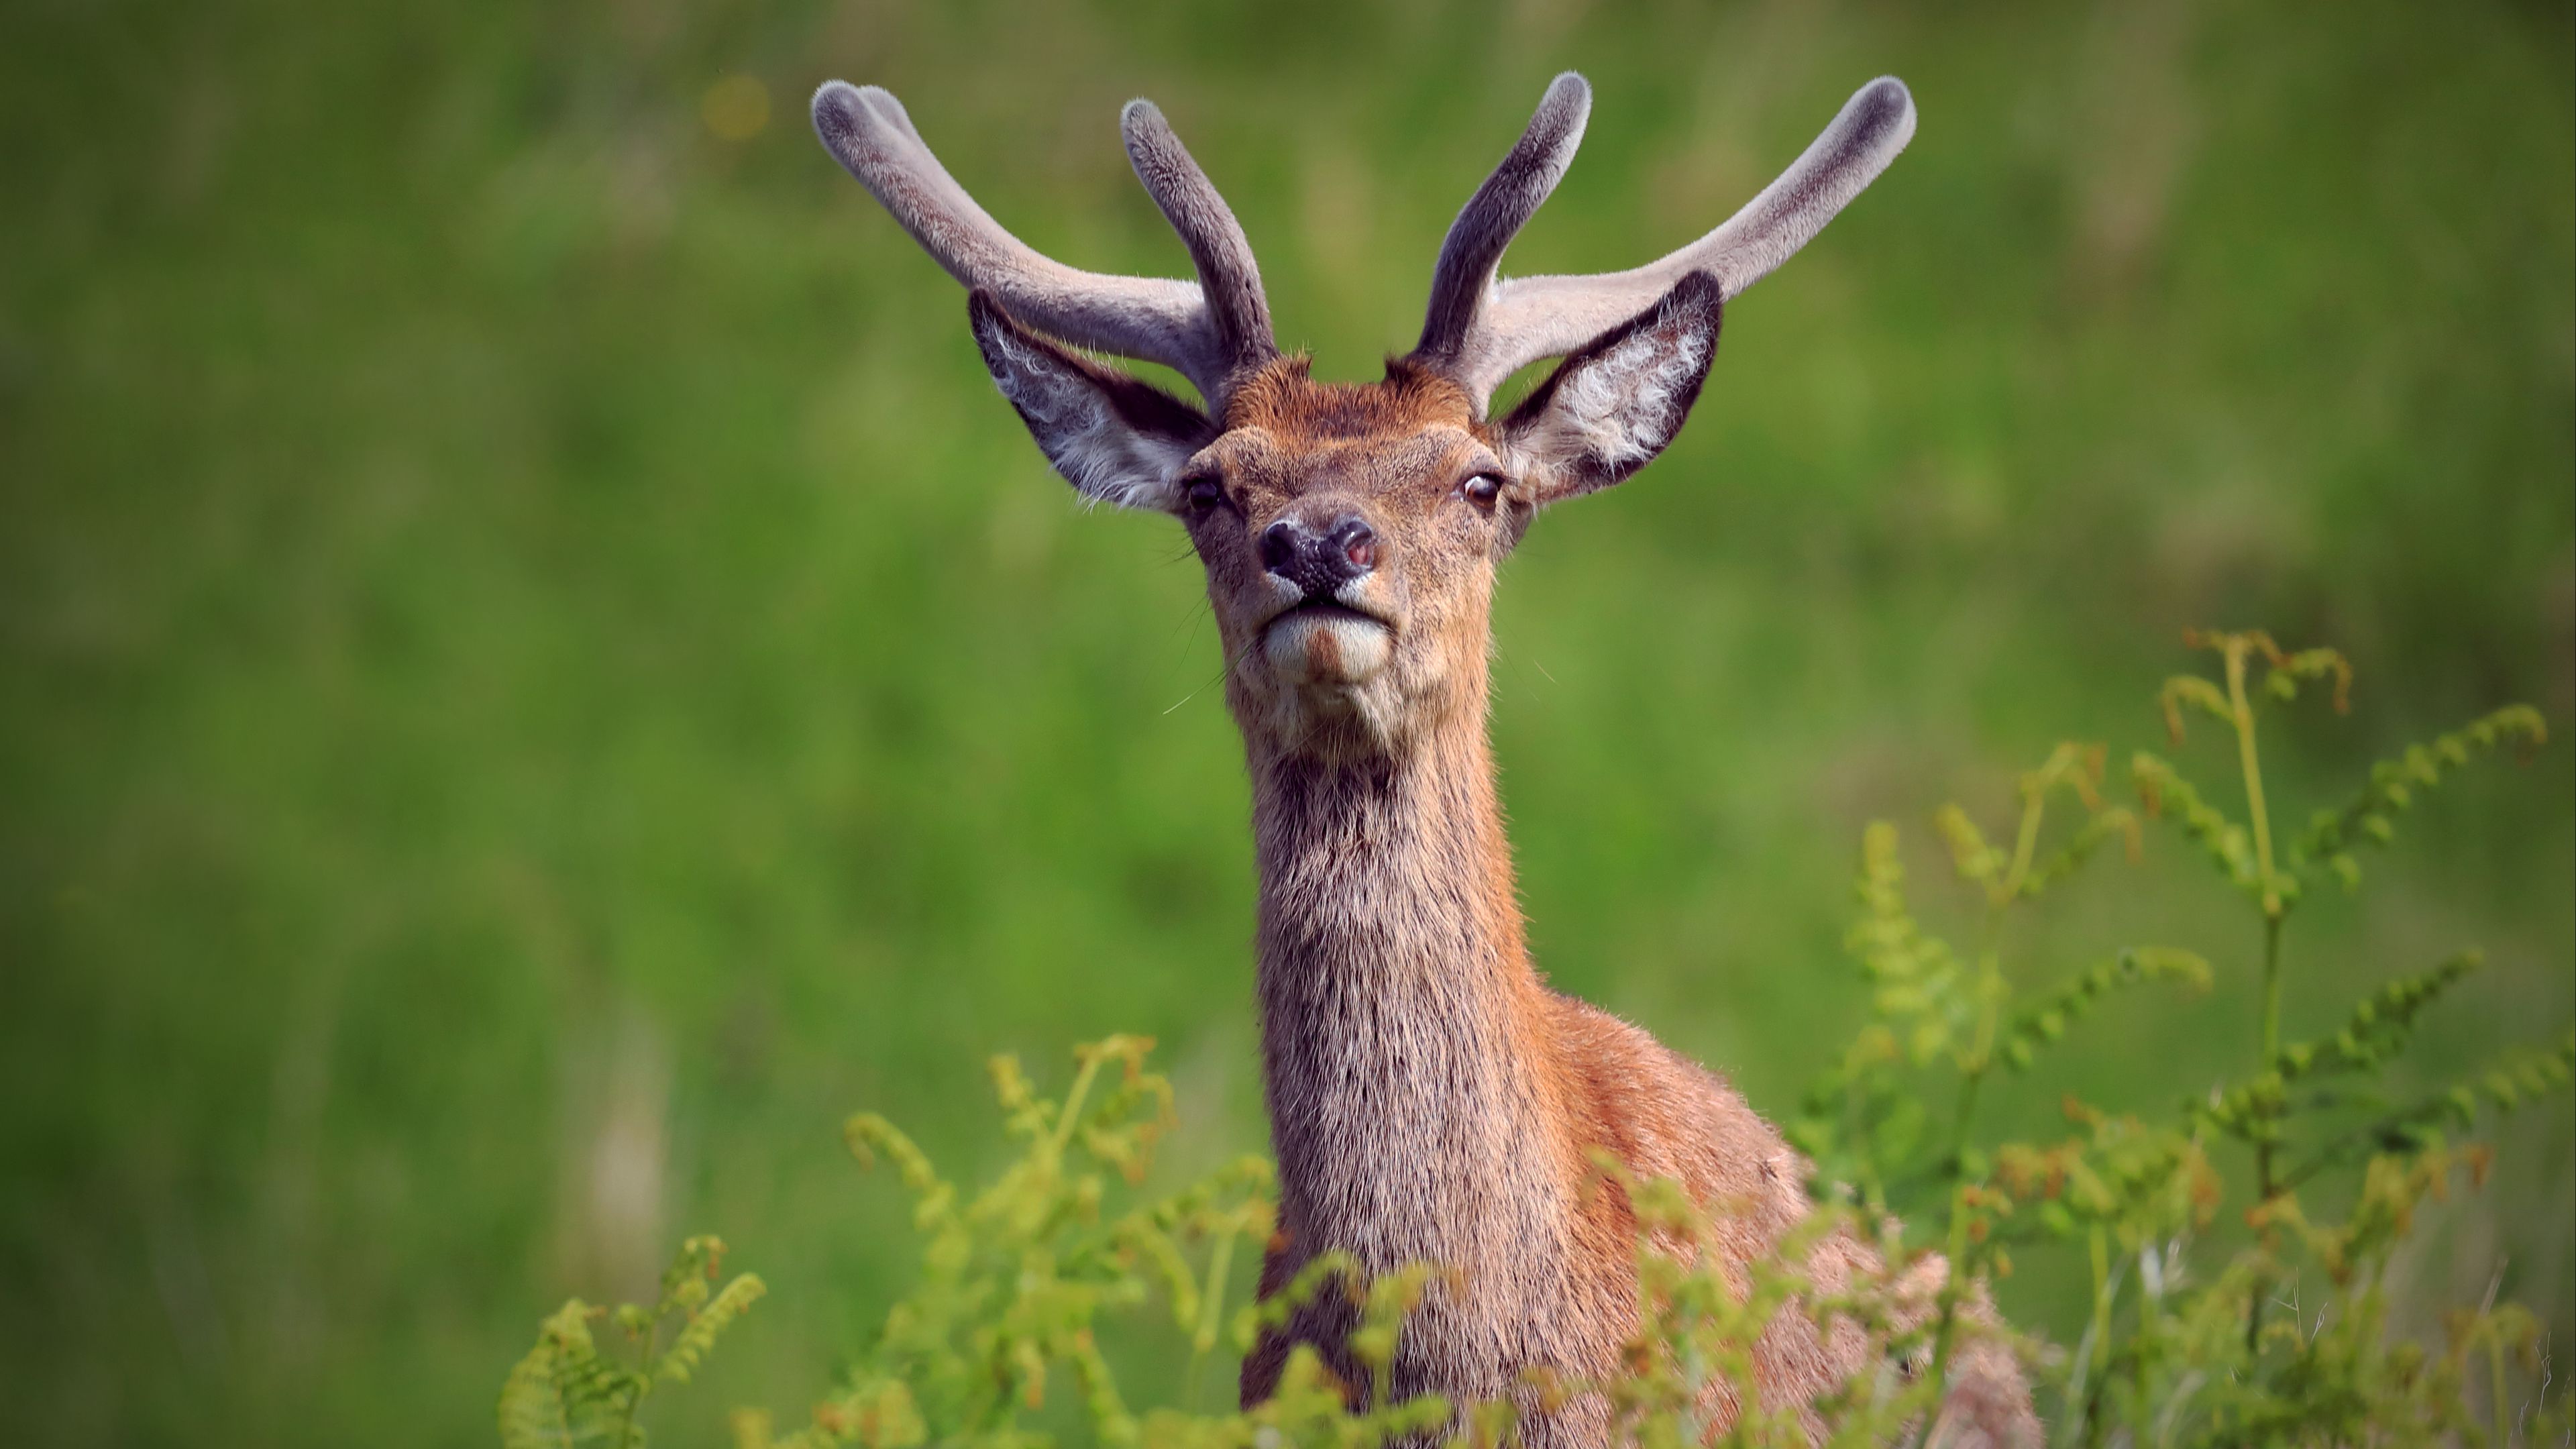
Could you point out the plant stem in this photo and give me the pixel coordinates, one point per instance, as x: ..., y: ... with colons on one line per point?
x: 1211, y: 1308
x: 2274, y: 908
x: 1979, y: 1057
x: 1072, y: 1110
x: 1990, y: 977
x: 1981, y: 1047
x: 2271, y: 990
x: 2245, y: 757
x: 2097, y: 1346
x: 2101, y: 1246
x: 2265, y: 1184
x: 2266, y: 1187
x: 626, y: 1434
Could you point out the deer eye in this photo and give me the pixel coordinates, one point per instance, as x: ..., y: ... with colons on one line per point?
x: 1482, y: 490
x: 1202, y: 492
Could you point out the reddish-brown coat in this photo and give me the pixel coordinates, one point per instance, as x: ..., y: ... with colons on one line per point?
x: 1431, y: 1100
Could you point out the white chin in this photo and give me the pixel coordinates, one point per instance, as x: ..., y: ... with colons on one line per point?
x: 1318, y: 649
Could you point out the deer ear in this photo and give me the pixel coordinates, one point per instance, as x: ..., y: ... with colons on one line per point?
x: 1614, y: 404
x: 1115, y: 439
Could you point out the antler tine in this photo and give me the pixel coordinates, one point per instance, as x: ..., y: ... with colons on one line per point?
x: 1496, y: 213
x: 1229, y: 277
x: 866, y: 130
x: 1529, y: 318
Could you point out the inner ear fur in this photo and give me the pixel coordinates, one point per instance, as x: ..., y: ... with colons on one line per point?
x: 1620, y: 399
x: 1115, y: 438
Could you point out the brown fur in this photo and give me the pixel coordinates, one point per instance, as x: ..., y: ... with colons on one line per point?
x: 1430, y: 1099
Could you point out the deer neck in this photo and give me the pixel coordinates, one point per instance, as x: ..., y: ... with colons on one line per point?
x: 1400, y: 1013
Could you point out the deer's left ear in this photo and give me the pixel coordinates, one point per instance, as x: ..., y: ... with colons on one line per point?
x: 1115, y: 439
x: 1610, y: 407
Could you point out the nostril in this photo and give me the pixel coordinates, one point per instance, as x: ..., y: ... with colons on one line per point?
x: 1359, y: 545
x: 1279, y: 546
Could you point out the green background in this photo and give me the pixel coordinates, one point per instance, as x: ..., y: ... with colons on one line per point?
x: 536, y: 674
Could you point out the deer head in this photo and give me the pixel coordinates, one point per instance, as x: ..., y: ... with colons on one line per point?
x: 1351, y: 532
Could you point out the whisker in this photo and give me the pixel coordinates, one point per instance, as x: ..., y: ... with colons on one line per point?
x: 1222, y: 671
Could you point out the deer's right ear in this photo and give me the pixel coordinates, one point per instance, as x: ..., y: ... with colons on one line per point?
x: 1115, y: 439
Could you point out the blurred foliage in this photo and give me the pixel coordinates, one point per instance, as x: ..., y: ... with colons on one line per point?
x: 567, y: 1392
x: 2202, y: 1356
x: 1014, y: 1284
x: 534, y: 669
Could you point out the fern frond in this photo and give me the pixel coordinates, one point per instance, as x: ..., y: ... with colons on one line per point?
x: 2046, y: 1019
x: 2514, y: 1077
x: 2370, y: 818
x: 2190, y: 690
x: 535, y: 1410
x: 869, y: 1134
x: 2378, y: 1029
x: 565, y: 1392
x: 878, y: 1413
x: 1970, y: 855
x: 699, y: 1335
x: 2144, y: 1182
x: 2165, y: 790
x: 2079, y: 848
x: 1917, y: 984
x: 2282, y: 679
x: 2380, y: 1024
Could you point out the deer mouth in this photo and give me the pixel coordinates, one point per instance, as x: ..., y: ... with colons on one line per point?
x: 1323, y: 642
x: 1325, y: 609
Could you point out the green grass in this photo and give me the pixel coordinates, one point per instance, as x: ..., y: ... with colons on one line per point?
x: 523, y: 625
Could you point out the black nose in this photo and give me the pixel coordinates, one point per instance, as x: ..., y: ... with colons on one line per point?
x: 1318, y: 563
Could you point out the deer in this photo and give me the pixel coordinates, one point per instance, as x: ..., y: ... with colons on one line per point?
x: 1431, y: 1100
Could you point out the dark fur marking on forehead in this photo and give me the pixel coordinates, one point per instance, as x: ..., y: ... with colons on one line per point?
x: 1284, y: 401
